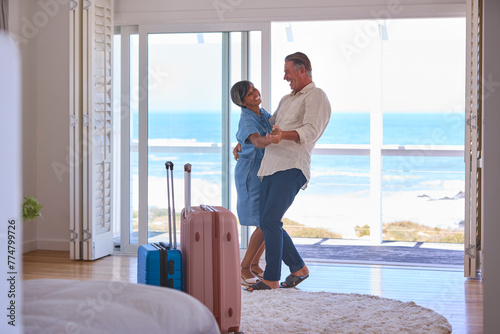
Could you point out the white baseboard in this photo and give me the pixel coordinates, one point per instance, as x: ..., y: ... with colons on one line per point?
x: 30, y: 246
x: 55, y: 245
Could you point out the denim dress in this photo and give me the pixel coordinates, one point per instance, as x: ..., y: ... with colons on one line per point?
x: 245, y: 173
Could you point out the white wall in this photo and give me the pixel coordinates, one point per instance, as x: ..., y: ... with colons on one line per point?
x: 491, y: 190
x: 18, y: 12
x: 52, y: 102
x: 41, y: 28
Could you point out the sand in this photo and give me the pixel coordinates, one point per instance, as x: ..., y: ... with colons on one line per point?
x: 338, y: 213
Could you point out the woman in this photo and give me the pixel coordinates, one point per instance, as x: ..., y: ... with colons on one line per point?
x: 252, y: 135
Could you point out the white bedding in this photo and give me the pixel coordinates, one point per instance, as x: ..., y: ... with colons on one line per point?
x: 67, y: 306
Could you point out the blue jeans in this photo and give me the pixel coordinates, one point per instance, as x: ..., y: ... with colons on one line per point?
x: 276, y: 195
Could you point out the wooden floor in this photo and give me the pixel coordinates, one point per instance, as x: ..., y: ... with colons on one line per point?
x: 445, y: 291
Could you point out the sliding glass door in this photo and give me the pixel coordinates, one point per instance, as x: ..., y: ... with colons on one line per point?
x: 180, y: 112
x: 184, y: 120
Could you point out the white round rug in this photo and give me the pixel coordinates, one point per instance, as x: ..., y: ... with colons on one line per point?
x: 294, y: 311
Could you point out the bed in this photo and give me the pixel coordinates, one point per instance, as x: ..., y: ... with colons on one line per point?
x: 100, y: 307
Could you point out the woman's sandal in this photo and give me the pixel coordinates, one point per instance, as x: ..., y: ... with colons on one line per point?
x: 258, y: 286
x: 258, y: 275
x: 248, y: 281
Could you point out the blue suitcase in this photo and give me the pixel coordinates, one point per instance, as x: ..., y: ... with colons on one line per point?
x: 158, y: 263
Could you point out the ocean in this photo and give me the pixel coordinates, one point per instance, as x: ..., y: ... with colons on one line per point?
x: 335, y: 176
x: 403, y: 128
x: 430, y: 128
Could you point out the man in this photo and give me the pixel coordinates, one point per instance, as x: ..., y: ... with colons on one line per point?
x: 299, y: 121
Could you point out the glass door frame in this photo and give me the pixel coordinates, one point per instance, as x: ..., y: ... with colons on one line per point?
x: 125, y: 186
x: 143, y: 31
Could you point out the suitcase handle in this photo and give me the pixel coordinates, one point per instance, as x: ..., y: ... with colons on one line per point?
x: 187, y: 189
x: 169, y: 165
x: 205, y: 207
x: 164, y: 245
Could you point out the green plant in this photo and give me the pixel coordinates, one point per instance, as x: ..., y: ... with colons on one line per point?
x: 31, y: 208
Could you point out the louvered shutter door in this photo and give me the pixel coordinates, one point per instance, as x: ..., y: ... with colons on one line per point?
x: 97, y: 130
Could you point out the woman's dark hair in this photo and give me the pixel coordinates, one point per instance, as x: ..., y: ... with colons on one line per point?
x: 239, y: 90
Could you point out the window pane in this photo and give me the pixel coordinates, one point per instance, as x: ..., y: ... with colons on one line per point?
x: 184, y: 120
x: 413, y: 71
x: 134, y: 139
x: 423, y: 102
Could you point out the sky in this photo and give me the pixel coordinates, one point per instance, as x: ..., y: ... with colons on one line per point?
x: 420, y: 66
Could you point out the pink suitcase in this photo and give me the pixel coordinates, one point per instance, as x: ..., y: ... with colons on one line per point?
x: 211, y: 259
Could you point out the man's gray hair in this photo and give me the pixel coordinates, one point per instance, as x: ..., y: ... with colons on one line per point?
x: 299, y: 60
